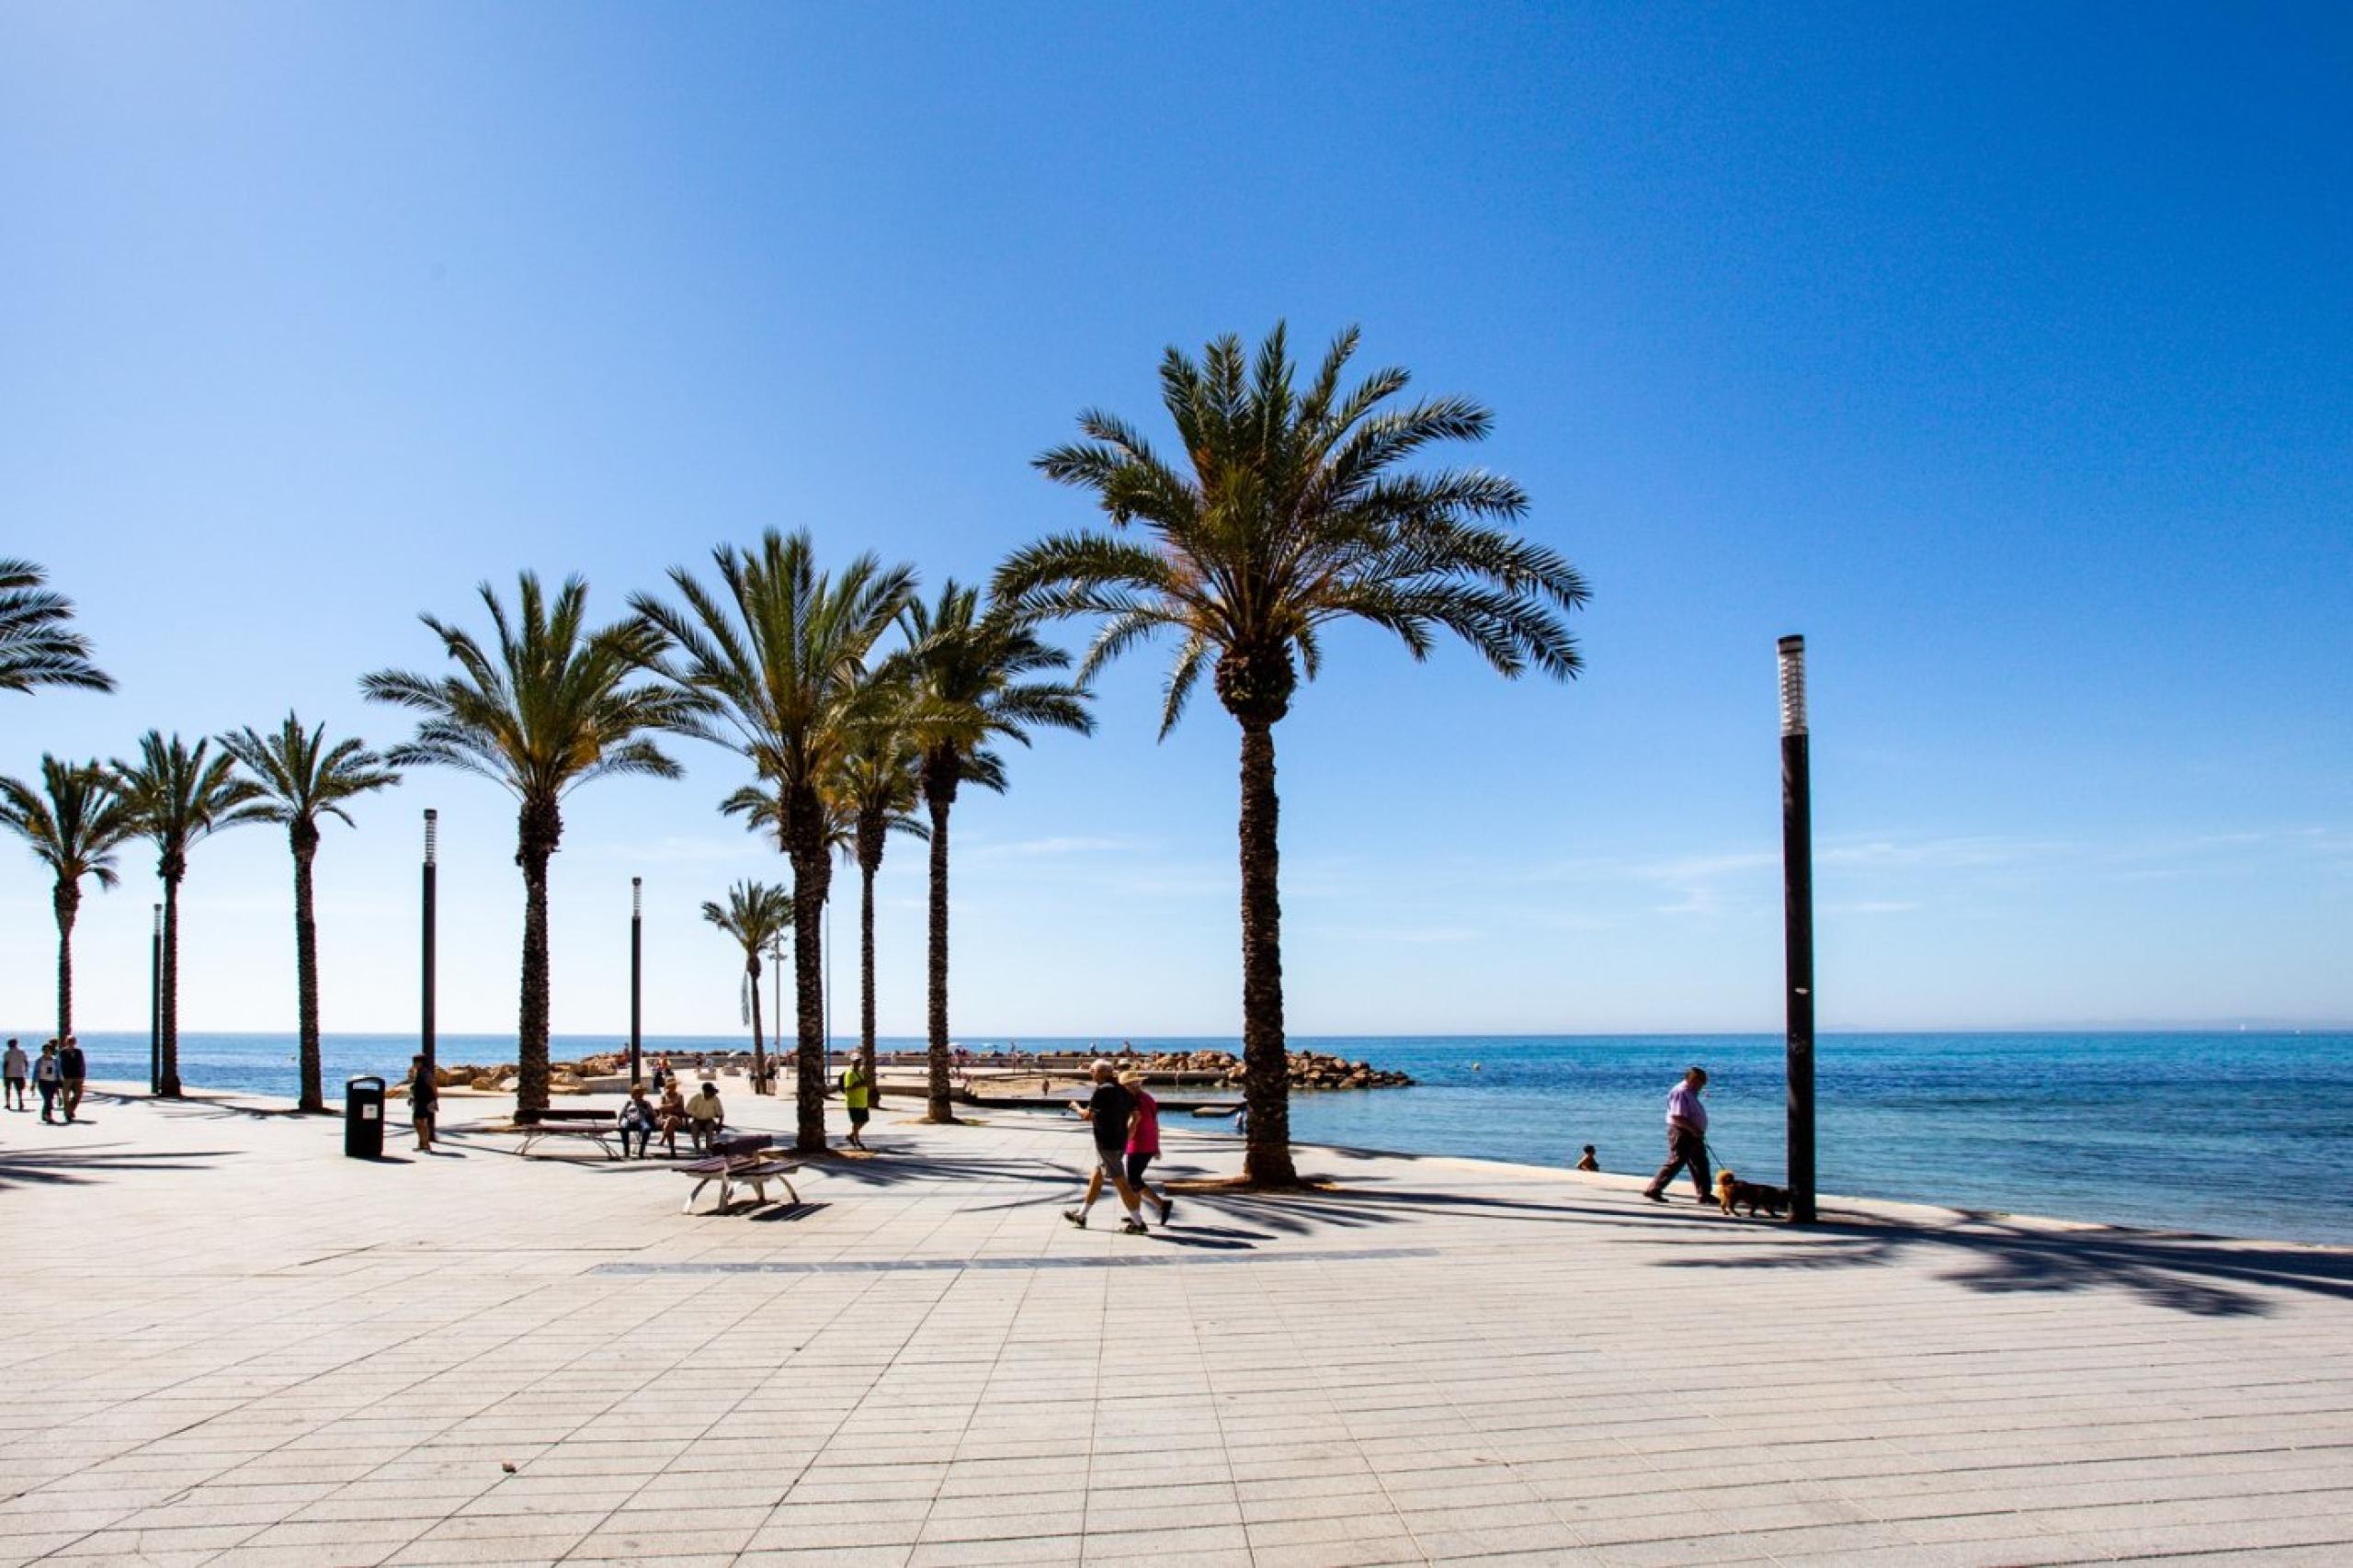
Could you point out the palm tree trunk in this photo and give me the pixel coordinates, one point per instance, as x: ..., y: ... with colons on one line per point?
x: 938, y: 1109
x: 167, y: 1030
x: 809, y: 997
x: 866, y: 982
x: 1266, y: 1090
x: 759, y: 1048
x: 306, y: 969
x: 67, y: 902
x: 538, y: 833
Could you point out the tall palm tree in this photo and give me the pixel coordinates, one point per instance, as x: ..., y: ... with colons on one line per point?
x: 880, y: 782
x: 302, y: 778
x: 780, y: 651
x: 551, y: 706
x: 177, y: 795
x: 1292, y: 513
x: 37, y: 647
x: 756, y: 914
x: 72, y: 823
x: 972, y: 669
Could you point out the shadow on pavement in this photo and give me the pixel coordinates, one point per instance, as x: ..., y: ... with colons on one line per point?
x: 95, y: 1162
x: 2199, y: 1275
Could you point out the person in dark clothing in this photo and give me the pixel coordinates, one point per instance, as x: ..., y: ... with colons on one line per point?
x: 424, y: 1102
x: 1686, y: 1139
x: 71, y: 1069
x: 1111, y: 1112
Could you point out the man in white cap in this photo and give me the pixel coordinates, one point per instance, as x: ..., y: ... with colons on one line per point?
x: 1111, y: 1110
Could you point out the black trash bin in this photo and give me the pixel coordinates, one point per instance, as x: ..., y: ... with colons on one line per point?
x: 363, y: 1119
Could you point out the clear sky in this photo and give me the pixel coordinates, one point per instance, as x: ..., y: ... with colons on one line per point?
x: 2006, y: 352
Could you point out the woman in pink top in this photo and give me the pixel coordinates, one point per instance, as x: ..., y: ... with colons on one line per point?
x: 1144, y: 1142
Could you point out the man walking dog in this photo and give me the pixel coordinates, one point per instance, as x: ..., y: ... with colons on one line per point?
x: 1686, y: 1139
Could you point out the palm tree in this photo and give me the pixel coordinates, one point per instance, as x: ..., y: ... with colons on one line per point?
x: 781, y: 650
x: 175, y: 795
x: 969, y: 669
x: 73, y: 825
x: 551, y: 706
x: 1294, y: 515
x: 756, y: 914
x: 36, y: 646
x: 880, y: 782
x: 302, y: 778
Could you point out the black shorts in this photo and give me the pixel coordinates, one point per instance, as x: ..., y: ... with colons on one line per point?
x: 857, y: 1115
x: 1137, y: 1166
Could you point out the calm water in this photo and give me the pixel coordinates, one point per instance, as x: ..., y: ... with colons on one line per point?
x: 2244, y: 1134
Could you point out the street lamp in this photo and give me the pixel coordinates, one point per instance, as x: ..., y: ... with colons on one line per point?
x: 424, y: 1022
x: 1797, y: 923
x: 155, y: 1007
x: 776, y: 1002
x: 636, y: 977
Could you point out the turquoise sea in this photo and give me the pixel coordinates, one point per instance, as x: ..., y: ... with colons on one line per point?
x: 2240, y: 1133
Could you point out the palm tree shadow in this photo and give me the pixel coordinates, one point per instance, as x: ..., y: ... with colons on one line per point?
x: 2204, y: 1275
x: 200, y: 1107
x: 94, y: 1163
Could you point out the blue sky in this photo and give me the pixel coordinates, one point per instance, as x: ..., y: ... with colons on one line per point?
x: 2003, y: 351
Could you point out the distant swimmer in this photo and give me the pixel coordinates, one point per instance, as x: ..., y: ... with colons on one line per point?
x: 1586, y: 1161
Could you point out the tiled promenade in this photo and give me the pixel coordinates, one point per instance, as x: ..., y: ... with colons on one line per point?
x: 226, y: 1345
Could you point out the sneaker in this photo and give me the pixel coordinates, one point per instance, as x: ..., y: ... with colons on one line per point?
x: 1076, y: 1217
x: 1167, y: 1207
x: 1655, y: 1196
x: 1131, y: 1226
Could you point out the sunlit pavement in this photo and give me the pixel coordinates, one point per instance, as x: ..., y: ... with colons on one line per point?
x: 230, y: 1345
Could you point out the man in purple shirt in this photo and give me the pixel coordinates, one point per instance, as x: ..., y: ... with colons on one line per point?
x: 1686, y: 1139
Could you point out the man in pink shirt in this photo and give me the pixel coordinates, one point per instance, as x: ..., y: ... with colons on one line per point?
x: 1686, y: 1139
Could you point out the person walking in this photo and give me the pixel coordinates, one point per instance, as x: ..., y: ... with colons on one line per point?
x: 17, y: 1069
x: 1686, y: 1139
x: 1111, y: 1110
x: 858, y: 1092
x: 424, y: 1103
x: 70, y: 1070
x: 1143, y: 1142
x: 45, y: 1079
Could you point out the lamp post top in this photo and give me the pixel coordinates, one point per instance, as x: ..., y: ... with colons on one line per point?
x: 1792, y: 663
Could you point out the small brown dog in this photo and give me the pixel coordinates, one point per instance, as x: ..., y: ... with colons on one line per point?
x: 1731, y: 1193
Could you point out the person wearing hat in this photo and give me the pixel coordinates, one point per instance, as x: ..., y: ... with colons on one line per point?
x: 1111, y: 1112
x: 1686, y: 1139
x: 1143, y: 1142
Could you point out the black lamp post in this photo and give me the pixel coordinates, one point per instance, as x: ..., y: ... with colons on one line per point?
x: 425, y: 1021
x: 155, y: 1007
x: 636, y: 977
x: 1797, y: 921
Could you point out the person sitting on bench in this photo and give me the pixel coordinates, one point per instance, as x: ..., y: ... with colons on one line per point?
x: 705, y: 1117
x: 670, y: 1116
x: 637, y: 1119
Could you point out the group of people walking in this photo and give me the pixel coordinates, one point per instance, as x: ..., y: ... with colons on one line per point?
x: 56, y: 1074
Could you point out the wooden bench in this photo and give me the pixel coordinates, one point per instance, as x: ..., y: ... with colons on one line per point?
x: 597, y: 1126
x: 751, y: 1162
